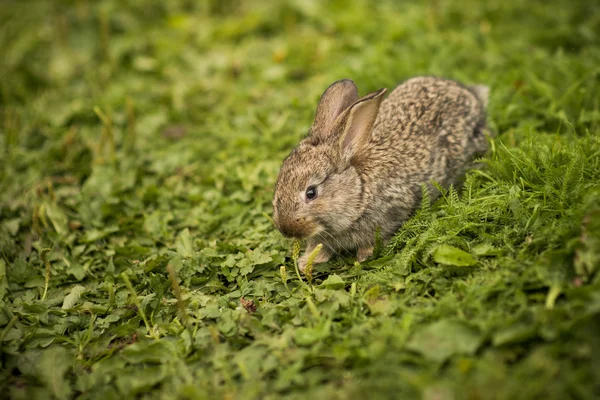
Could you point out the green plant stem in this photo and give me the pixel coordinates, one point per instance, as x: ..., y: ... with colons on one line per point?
x: 47, y: 275
x: 138, y: 304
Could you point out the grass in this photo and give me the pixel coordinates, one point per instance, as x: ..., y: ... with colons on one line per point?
x: 138, y: 150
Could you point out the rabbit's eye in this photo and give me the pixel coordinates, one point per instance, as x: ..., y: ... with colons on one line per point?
x: 311, y: 193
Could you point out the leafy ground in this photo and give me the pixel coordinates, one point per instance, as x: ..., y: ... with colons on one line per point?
x: 139, y: 148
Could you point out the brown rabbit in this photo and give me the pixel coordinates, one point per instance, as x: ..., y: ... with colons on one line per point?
x: 364, y: 160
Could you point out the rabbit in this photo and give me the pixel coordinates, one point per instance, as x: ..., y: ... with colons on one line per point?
x: 363, y: 163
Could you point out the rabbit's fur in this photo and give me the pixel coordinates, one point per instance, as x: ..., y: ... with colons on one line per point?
x: 367, y: 159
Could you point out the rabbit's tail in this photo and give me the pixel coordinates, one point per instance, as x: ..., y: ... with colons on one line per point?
x: 482, y: 93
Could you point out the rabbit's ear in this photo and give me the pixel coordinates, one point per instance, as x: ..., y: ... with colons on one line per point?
x: 359, y: 123
x: 334, y: 101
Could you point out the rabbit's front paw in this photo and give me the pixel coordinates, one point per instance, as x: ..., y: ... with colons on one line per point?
x: 364, y: 253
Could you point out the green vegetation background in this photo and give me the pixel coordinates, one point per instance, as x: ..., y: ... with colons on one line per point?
x: 139, y: 145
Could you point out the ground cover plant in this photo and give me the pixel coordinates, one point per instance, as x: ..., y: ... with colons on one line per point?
x: 139, y: 145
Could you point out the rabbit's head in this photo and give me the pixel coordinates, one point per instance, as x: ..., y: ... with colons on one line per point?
x: 319, y: 189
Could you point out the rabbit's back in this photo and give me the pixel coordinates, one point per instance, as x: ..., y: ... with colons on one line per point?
x: 429, y: 128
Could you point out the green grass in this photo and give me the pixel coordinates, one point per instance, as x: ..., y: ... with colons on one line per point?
x: 138, y: 150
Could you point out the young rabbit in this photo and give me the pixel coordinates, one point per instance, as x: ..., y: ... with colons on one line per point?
x: 364, y: 160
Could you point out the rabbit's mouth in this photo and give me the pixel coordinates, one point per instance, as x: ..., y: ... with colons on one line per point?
x: 297, y: 228
x: 293, y: 233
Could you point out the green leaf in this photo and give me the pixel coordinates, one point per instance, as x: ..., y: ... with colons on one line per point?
x: 133, y: 380
x: 381, y: 306
x: 57, y: 217
x: 485, y: 249
x: 77, y: 271
x: 184, y: 244
x: 149, y: 352
x: 93, y: 235
x: 12, y: 334
x: 380, y: 262
x: 449, y: 255
x: 73, y: 297
x: 259, y: 257
x: 516, y: 333
x: 53, y: 364
x: 308, y: 336
x: 334, y: 282
x: 12, y: 225
x: 443, y: 339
